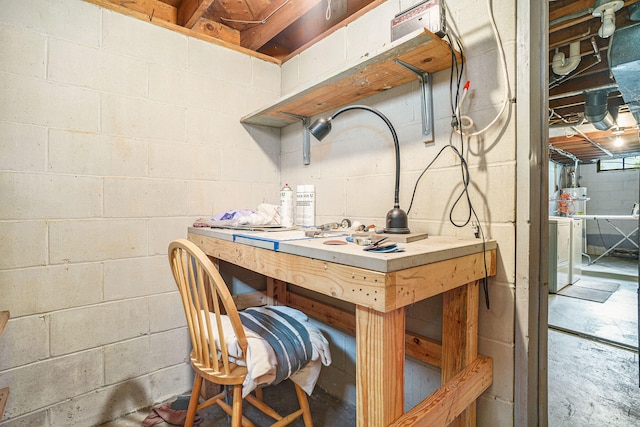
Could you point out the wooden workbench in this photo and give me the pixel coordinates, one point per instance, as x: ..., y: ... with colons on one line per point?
x: 381, y: 286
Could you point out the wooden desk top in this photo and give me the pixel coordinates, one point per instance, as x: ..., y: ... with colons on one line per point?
x: 382, y: 281
x: 426, y: 251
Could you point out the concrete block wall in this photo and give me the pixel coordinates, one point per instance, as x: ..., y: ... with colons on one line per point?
x: 610, y: 193
x: 353, y: 170
x: 115, y: 135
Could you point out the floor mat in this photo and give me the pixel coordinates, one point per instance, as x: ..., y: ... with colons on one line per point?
x: 596, y: 291
x: 599, y: 285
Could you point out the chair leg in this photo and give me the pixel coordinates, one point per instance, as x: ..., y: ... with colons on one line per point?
x: 193, y: 401
x: 236, y: 418
x: 304, y: 405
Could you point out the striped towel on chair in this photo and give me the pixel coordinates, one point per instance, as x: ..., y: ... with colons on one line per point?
x: 288, y: 337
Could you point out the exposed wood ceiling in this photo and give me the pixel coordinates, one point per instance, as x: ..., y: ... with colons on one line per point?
x: 571, y: 21
x: 276, y: 28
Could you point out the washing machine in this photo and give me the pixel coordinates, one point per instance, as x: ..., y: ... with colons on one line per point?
x: 559, y: 252
x: 575, y: 270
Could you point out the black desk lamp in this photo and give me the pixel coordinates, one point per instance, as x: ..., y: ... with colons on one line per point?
x: 397, y: 221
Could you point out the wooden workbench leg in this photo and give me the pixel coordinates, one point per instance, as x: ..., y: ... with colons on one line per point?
x: 277, y: 292
x: 379, y: 366
x: 460, y: 338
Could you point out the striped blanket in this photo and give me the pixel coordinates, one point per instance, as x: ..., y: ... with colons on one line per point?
x: 287, y: 336
x: 266, y: 362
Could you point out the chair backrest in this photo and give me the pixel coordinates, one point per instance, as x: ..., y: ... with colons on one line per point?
x: 203, y: 290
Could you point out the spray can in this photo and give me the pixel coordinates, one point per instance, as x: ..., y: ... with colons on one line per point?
x: 286, y: 206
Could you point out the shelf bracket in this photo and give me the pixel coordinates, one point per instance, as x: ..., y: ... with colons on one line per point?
x: 306, y: 136
x: 426, y: 98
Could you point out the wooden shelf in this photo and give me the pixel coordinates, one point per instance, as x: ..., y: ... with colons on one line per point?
x: 372, y: 75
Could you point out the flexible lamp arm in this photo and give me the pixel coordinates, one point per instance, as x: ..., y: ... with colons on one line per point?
x: 396, y: 220
x: 322, y: 127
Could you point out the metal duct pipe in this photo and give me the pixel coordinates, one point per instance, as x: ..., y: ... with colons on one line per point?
x: 624, y: 60
x: 634, y: 12
x: 596, y: 110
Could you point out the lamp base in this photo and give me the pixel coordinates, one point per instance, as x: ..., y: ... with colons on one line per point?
x: 397, y: 222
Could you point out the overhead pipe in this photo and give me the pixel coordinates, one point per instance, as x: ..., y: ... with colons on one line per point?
x: 609, y: 87
x: 555, y: 80
x: 562, y: 65
x: 565, y: 123
x: 564, y: 153
x: 595, y: 144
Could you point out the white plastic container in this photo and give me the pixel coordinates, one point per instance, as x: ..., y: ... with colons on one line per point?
x: 286, y: 206
x: 300, y: 205
x: 309, y: 207
x: 306, y: 205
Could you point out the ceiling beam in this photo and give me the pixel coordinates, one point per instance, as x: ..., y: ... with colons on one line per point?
x: 572, y: 8
x: 190, y: 11
x: 580, y: 84
x: 153, y: 9
x: 256, y: 37
x: 577, y: 9
x: 217, y: 30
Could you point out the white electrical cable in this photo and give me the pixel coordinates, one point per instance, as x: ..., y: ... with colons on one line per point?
x: 465, y: 121
x: 328, y: 13
x: 262, y: 21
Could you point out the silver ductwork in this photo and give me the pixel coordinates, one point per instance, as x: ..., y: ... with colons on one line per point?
x: 596, y: 110
x: 624, y: 61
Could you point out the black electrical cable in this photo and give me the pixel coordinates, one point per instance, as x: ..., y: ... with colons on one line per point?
x: 457, y: 67
x: 465, y: 170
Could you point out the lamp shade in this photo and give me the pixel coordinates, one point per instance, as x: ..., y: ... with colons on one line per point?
x: 397, y: 221
x: 320, y: 128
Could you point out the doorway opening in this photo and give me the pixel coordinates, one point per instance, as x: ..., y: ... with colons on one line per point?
x: 593, y: 298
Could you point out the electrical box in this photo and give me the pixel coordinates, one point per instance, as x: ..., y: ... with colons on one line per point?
x: 429, y: 14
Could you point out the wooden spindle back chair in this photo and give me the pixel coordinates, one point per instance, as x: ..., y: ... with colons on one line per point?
x: 207, y: 305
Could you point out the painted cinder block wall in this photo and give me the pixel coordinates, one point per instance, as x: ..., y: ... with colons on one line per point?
x: 610, y: 193
x: 114, y: 136
x: 353, y: 171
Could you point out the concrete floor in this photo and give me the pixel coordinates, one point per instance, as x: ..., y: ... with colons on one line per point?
x: 326, y: 410
x: 593, y: 375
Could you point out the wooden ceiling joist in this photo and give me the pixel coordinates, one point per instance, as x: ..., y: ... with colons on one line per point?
x: 257, y: 36
x: 217, y: 30
x: 190, y: 11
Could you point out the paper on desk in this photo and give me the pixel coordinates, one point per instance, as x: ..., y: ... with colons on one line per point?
x: 269, y: 239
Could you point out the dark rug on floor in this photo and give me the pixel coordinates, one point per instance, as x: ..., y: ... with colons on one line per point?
x: 590, y: 291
